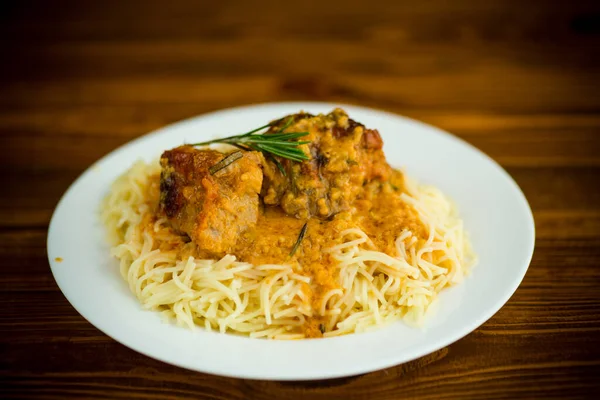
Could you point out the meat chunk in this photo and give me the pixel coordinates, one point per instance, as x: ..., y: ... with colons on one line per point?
x: 212, y: 209
x: 344, y: 156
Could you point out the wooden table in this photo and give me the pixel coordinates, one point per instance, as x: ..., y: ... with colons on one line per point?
x: 519, y: 80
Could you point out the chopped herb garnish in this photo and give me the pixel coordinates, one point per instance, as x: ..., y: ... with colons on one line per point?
x: 322, y: 328
x: 299, y: 240
x: 228, y: 160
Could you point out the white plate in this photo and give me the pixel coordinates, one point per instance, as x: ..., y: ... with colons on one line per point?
x: 495, y: 212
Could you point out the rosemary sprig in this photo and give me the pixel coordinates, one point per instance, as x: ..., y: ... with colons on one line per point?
x: 278, y: 164
x: 226, y: 161
x: 278, y: 144
x: 299, y: 240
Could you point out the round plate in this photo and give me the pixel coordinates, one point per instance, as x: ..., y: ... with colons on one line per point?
x: 495, y: 212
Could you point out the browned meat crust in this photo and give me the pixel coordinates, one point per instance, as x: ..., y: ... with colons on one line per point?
x: 213, y: 210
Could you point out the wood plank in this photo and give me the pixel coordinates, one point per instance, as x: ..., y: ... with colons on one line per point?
x: 431, y: 21
x: 443, y: 378
x: 465, y: 89
x: 128, y: 121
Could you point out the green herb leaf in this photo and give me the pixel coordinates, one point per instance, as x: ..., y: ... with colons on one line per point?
x: 278, y: 144
x: 299, y: 240
x: 226, y: 161
x: 278, y: 164
x: 287, y: 124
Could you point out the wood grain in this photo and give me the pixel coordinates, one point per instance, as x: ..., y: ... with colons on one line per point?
x: 519, y: 80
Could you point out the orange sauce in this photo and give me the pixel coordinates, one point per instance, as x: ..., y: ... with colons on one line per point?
x: 378, y: 211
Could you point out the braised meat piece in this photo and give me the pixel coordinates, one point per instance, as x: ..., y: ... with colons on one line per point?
x: 212, y: 209
x: 344, y: 156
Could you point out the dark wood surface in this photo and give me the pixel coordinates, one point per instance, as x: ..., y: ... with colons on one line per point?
x: 518, y: 79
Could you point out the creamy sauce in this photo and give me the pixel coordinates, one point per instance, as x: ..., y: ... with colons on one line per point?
x: 378, y: 211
